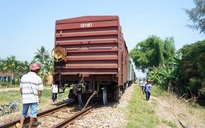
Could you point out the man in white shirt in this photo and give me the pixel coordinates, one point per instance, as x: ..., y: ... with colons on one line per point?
x: 31, y: 89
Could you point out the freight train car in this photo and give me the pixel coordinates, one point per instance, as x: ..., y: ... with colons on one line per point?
x: 132, y: 75
x: 91, y: 56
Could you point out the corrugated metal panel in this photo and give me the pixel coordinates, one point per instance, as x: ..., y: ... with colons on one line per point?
x: 94, y: 46
x: 87, y: 18
x: 90, y: 24
x: 131, y: 71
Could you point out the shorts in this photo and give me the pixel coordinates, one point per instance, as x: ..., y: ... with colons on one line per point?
x: 33, y: 110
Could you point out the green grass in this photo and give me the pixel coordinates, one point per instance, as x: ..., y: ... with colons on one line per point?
x: 170, y: 124
x: 140, y: 113
x: 9, y: 96
x: 157, y: 91
x: 14, y: 96
x: 8, y: 86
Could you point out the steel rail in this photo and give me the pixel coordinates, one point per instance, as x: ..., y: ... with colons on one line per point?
x: 13, y: 122
x: 68, y: 121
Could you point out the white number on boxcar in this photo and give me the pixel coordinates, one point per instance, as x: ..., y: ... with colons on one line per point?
x: 86, y: 25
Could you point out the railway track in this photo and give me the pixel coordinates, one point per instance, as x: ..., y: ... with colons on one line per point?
x: 71, y: 119
x: 58, y: 117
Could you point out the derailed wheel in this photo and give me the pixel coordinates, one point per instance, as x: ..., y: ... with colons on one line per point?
x: 105, y: 95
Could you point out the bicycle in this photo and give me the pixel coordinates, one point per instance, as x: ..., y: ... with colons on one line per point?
x: 14, y: 107
x: 8, y: 108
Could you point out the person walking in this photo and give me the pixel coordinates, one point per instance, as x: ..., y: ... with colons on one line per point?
x: 31, y: 90
x: 147, y: 89
x: 54, y: 91
x: 141, y: 85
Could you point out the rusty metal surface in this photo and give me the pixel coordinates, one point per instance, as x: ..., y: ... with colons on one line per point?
x: 94, y: 46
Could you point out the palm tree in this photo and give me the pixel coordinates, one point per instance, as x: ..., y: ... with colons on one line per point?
x: 10, y: 66
x: 49, y: 65
x: 21, y: 68
x: 14, y: 66
x: 3, y: 68
x: 42, y: 56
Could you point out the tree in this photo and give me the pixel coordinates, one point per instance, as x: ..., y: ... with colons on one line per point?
x: 197, y: 15
x: 42, y: 56
x: 164, y: 76
x: 3, y: 66
x: 10, y: 64
x: 193, y: 67
x: 49, y: 65
x: 169, y: 49
x: 152, y: 52
x: 20, y: 70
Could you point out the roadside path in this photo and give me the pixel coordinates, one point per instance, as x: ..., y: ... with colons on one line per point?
x: 7, y: 89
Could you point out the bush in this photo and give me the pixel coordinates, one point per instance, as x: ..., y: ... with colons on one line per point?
x: 5, y: 84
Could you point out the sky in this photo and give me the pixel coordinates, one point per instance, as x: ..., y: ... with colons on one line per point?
x: 26, y: 25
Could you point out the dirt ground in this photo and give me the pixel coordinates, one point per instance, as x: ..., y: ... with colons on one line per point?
x: 6, y: 89
x: 173, y: 113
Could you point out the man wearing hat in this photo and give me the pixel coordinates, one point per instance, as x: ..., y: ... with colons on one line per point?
x: 31, y: 89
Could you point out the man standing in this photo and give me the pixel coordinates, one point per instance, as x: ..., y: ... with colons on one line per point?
x: 31, y: 89
x: 54, y: 88
x: 141, y: 83
x: 147, y: 90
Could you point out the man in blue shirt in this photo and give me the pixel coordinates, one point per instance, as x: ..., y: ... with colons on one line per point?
x: 148, y: 90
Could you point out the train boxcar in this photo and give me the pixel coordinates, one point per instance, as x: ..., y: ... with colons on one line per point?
x: 91, y: 56
x: 132, y: 73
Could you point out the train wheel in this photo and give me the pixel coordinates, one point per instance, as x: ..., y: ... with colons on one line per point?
x: 105, y: 95
x: 80, y: 101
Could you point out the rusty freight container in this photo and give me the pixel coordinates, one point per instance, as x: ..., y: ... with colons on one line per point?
x: 91, y: 54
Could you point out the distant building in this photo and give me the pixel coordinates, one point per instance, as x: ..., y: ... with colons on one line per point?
x: 6, y: 76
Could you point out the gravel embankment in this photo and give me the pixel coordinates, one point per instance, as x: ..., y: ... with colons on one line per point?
x: 110, y: 116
